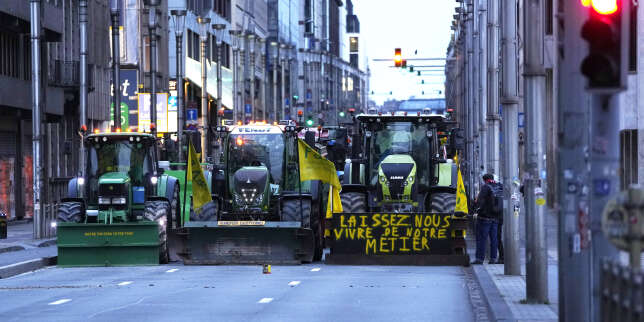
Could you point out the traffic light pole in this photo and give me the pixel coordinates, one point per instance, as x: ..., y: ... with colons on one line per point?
x: 510, y: 101
x: 535, y: 90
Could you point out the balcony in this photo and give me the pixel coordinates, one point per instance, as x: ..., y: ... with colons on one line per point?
x: 64, y: 73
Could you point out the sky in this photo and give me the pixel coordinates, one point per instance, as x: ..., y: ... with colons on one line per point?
x: 412, y: 25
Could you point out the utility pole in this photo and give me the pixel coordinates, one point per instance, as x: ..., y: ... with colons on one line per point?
x: 82, y: 18
x: 152, y: 27
x: 469, y: 93
x: 116, y: 61
x: 493, y: 120
x: 482, y: 88
x: 535, y: 93
x: 251, y: 52
x: 36, y: 112
x: 203, y: 24
x: 219, y: 38
x: 244, y: 73
x: 282, y: 53
x: 510, y: 101
x: 275, y: 59
x: 235, y: 49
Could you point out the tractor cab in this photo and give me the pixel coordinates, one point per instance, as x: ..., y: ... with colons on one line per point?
x: 121, y: 174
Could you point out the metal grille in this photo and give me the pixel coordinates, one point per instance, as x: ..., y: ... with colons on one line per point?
x: 621, y: 293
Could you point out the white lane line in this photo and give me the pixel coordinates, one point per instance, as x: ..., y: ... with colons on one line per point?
x: 265, y: 300
x: 172, y: 270
x: 294, y: 283
x: 124, y: 283
x: 61, y: 301
x: 317, y: 269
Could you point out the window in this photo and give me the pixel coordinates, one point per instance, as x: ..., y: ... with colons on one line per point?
x: 353, y: 44
x: 628, y: 157
x: 632, y: 52
x: 549, y: 17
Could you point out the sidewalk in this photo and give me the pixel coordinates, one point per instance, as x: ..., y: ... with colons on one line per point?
x: 20, y: 253
x: 506, y: 293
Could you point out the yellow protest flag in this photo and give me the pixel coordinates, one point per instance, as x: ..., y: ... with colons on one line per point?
x: 200, y: 191
x: 461, y: 196
x: 314, y: 167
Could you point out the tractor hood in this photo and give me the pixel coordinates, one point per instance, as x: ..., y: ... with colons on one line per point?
x: 114, y: 178
x: 249, y: 185
x: 396, y: 175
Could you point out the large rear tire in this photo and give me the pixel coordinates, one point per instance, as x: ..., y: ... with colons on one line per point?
x: 291, y: 211
x: 70, y: 212
x: 442, y: 202
x: 353, y: 202
x: 159, y: 211
x: 208, y: 212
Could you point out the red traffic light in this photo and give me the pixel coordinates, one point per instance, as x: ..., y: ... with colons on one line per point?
x: 603, y: 7
x: 398, y: 57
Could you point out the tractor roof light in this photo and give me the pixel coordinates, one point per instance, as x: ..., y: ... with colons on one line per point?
x: 604, y: 7
x: 239, y: 141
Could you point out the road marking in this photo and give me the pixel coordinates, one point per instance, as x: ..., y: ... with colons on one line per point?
x: 124, y: 283
x: 265, y: 300
x: 62, y: 301
x: 317, y: 269
x: 294, y: 283
x: 172, y: 270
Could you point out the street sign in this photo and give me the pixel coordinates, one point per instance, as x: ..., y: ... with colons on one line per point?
x: 191, y: 116
x: 172, y: 103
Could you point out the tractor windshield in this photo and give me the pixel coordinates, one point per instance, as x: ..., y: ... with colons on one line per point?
x: 401, y: 138
x: 253, y: 150
x: 133, y: 158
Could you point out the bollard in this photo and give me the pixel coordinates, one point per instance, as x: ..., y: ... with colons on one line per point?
x: 3, y: 225
x: 266, y: 269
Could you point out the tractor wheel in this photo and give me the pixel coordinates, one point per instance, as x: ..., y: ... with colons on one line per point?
x: 442, y: 202
x: 318, y: 230
x: 175, y: 213
x: 291, y: 211
x: 159, y: 211
x: 208, y: 212
x: 70, y: 212
x: 353, y: 202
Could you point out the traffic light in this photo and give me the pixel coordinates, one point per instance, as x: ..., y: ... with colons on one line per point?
x: 404, y: 63
x: 397, y: 57
x: 341, y: 113
x: 606, y: 32
x: 309, y: 122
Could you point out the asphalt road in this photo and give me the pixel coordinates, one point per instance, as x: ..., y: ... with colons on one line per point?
x: 314, y: 292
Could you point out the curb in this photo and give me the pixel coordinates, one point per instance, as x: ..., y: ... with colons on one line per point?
x: 19, y: 221
x: 26, y: 266
x: 499, y: 310
x: 47, y: 243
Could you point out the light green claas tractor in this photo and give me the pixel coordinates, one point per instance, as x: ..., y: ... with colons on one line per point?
x: 119, y: 212
x: 401, y: 167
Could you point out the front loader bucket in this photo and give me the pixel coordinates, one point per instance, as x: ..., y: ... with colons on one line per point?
x: 396, y: 239
x: 211, y: 243
x: 122, y: 244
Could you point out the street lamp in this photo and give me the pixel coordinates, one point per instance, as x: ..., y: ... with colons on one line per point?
x: 251, y: 52
x: 282, y: 57
x: 116, y: 61
x: 242, y: 78
x: 262, y: 62
x: 234, y: 44
x: 219, y: 29
x: 204, y: 22
x: 274, y: 56
x: 179, y: 19
x: 152, y: 26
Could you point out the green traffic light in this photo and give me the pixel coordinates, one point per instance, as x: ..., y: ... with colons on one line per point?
x: 309, y: 122
x: 341, y: 114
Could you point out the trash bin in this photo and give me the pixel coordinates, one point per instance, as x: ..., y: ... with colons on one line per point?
x: 3, y: 225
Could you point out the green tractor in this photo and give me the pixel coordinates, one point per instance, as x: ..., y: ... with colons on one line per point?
x: 262, y: 212
x: 401, y: 187
x: 118, y: 214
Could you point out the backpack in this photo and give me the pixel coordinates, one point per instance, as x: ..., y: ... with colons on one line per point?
x: 496, y: 199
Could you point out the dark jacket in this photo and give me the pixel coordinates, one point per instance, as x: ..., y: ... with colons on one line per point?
x: 485, y: 201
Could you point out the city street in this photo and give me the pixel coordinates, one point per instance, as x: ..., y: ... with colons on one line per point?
x: 313, y: 292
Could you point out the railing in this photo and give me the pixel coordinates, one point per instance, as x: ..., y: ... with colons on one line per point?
x: 621, y: 293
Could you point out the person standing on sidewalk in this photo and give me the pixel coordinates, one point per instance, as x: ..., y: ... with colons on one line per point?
x: 490, y: 209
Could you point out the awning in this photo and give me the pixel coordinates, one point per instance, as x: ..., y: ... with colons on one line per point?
x: 193, y: 73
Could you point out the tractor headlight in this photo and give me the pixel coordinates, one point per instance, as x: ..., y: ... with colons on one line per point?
x: 410, y: 179
x: 104, y: 200
x: 119, y: 201
x: 383, y: 179
x: 154, y: 180
x: 81, y: 181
